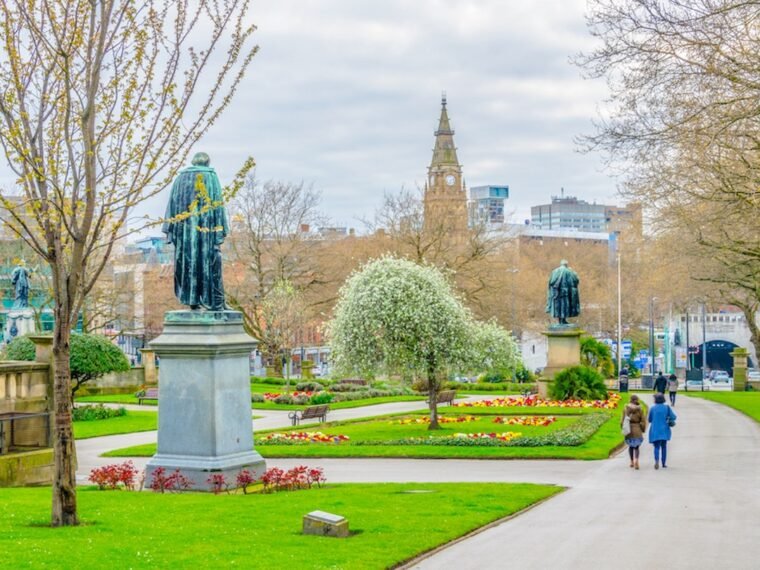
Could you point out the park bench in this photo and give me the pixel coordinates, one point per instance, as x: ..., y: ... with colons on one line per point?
x: 310, y: 413
x: 529, y: 392
x: 149, y: 394
x: 446, y: 397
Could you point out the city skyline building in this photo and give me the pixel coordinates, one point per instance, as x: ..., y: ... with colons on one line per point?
x: 571, y: 213
x: 487, y: 203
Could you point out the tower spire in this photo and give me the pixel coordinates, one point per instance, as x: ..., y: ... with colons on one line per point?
x: 444, y: 153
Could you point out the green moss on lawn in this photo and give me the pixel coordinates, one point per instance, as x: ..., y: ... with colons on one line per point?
x: 141, y: 530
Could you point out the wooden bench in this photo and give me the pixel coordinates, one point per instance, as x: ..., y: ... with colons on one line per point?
x: 149, y: 394
x: 310, y: 413
x: 446, y: 397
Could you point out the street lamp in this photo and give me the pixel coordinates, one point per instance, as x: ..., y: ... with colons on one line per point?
x: 651, y: 334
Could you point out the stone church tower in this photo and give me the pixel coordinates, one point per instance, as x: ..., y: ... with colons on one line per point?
x: 445, y: 192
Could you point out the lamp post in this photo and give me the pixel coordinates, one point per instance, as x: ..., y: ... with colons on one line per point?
x: 704, y: 341
x: 513, y: 271
x: 651, y: 334
x: 619, y: 319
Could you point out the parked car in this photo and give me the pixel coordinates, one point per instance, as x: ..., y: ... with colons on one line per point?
x: 697, y: 385
x: 753, y: 375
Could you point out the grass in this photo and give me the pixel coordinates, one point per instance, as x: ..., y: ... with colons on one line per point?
x: 390, y: 523
x: 129, y: 423
x: 746, y: 402
x: 114, y: 399
x: 606, y: 439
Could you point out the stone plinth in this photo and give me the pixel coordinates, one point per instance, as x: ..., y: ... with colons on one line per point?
x: 740, y: 369
x: 564, y: 350
x: 204, y: 405
x: 19, y: 322
x: 149, y: 365
x: 321, y: 523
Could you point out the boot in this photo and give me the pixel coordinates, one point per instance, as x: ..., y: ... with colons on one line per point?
x: 636, y: 464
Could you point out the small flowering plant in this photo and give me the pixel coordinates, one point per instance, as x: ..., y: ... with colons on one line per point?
x: 300, y: 477
x: 271, y: 396
x: 114, y: 476
x: 302, y: 437
x: 532, y: 421
x: 504, y: 436
x: 176, y: 482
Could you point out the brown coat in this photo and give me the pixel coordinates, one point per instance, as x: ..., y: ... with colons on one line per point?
x: 638, y: 421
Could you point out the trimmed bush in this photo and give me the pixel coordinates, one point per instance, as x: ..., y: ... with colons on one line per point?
x: 97, y: 412
x: 347, y: 388
x: 258, y: 398
x: 268, y: 380
x: 309, y: 387
x: 283, y: 399
x: 301, y: 400
x: 580, y: 382
x: 321, y: 398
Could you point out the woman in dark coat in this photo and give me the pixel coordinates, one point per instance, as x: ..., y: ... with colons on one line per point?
x: 638, y: 422
x: 661, y: 418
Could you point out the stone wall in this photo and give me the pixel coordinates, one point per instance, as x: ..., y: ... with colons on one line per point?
x: 115, y: 383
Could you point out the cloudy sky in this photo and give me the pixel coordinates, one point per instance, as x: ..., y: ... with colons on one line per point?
x: 345, y: 95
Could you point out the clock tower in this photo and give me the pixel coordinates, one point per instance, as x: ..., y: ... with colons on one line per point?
x: 445, y: 192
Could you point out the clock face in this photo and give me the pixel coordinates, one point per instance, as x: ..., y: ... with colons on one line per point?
x: 450, y: 180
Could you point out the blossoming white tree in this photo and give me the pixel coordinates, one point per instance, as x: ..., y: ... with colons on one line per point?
x: 491, y: 347
x: 395, y: 313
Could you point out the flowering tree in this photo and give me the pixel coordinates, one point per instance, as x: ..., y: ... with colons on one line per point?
x: 491, y: 347
x: 100, y: 104
x: 393, y: 313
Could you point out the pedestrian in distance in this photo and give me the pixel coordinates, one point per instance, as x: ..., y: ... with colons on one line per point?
x: 635, y: 423
x: 660, y: 384
x: 672, y: 388
x: 661, y: 419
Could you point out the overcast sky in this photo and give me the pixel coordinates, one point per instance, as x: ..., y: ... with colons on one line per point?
x: 345, y: 94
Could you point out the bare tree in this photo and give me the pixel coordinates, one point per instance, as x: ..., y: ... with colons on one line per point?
x: 282, y: 317
x: 100, y: 104
x: 272, y: 243
x: 471, y: 256
x: 683, y: 127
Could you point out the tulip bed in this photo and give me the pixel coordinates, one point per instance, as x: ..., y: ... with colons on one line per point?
x: 390, y: 524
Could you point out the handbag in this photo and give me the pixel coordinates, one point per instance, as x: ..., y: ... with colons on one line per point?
x: 671, y: 420
x: 626, y: 429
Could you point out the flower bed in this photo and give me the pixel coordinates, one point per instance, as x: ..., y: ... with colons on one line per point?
x: 573, y: 435
x: 533, y: 421
x: 441, y: 419
x: 535, y: 402
x: 289, y: 438
x: 271, y: 396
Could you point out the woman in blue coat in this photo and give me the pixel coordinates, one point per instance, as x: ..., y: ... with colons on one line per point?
x: 661, y: 419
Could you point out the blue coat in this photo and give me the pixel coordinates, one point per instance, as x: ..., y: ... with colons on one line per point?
x: 658, y: 422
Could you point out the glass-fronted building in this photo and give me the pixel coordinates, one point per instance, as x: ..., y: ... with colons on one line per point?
x: 487, y: 203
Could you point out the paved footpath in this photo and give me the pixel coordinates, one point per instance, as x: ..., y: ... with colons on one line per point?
x: 701, y: 512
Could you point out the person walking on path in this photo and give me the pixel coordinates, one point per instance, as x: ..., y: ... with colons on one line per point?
x: 660, y: 384
x: 672, y: 388
x: 661, y: 419
x: 638, y: 426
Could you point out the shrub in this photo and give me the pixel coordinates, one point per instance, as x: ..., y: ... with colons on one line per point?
x: 176, y: 482
x: 268, y: 380
x: 244, y: 479
x: 96, y: 412
x: 218, y: 483
x: 493, y: 377
x: 309, y: 387
x: 580, y: 382
x: 347, y: 387
x: 283, y: 399
x: 92, y: 356
x: 301, y: 399
x: 257, y: 398
x: 321, y: 398
x: 111, y: 476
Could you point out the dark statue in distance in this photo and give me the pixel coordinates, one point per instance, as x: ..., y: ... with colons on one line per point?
x: 196, y: 223
x: 20, y: 280
x: 562, y: 300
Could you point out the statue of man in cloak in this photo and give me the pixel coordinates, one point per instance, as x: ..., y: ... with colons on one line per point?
x: 562, y: 300
x: 20, y: 280
x: 196, y: 223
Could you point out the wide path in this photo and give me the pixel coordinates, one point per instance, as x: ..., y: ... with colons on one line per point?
x: 701, y: 512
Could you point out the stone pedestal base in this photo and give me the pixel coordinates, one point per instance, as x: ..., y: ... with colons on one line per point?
x: 204, y: 403
x: 19, y: 322
x: 740, y: 368
x: 564, y: 350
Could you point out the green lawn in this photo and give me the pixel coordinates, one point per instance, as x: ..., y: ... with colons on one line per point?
x: 114, y: 399
x: 390, y: 523
x: 131, y: 422
x: 746, y: 402
x: 606, y: 439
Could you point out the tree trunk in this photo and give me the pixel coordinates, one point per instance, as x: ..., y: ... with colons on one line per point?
x: 433, y: 398
x: 64, y: 474
x: 754, y: 329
